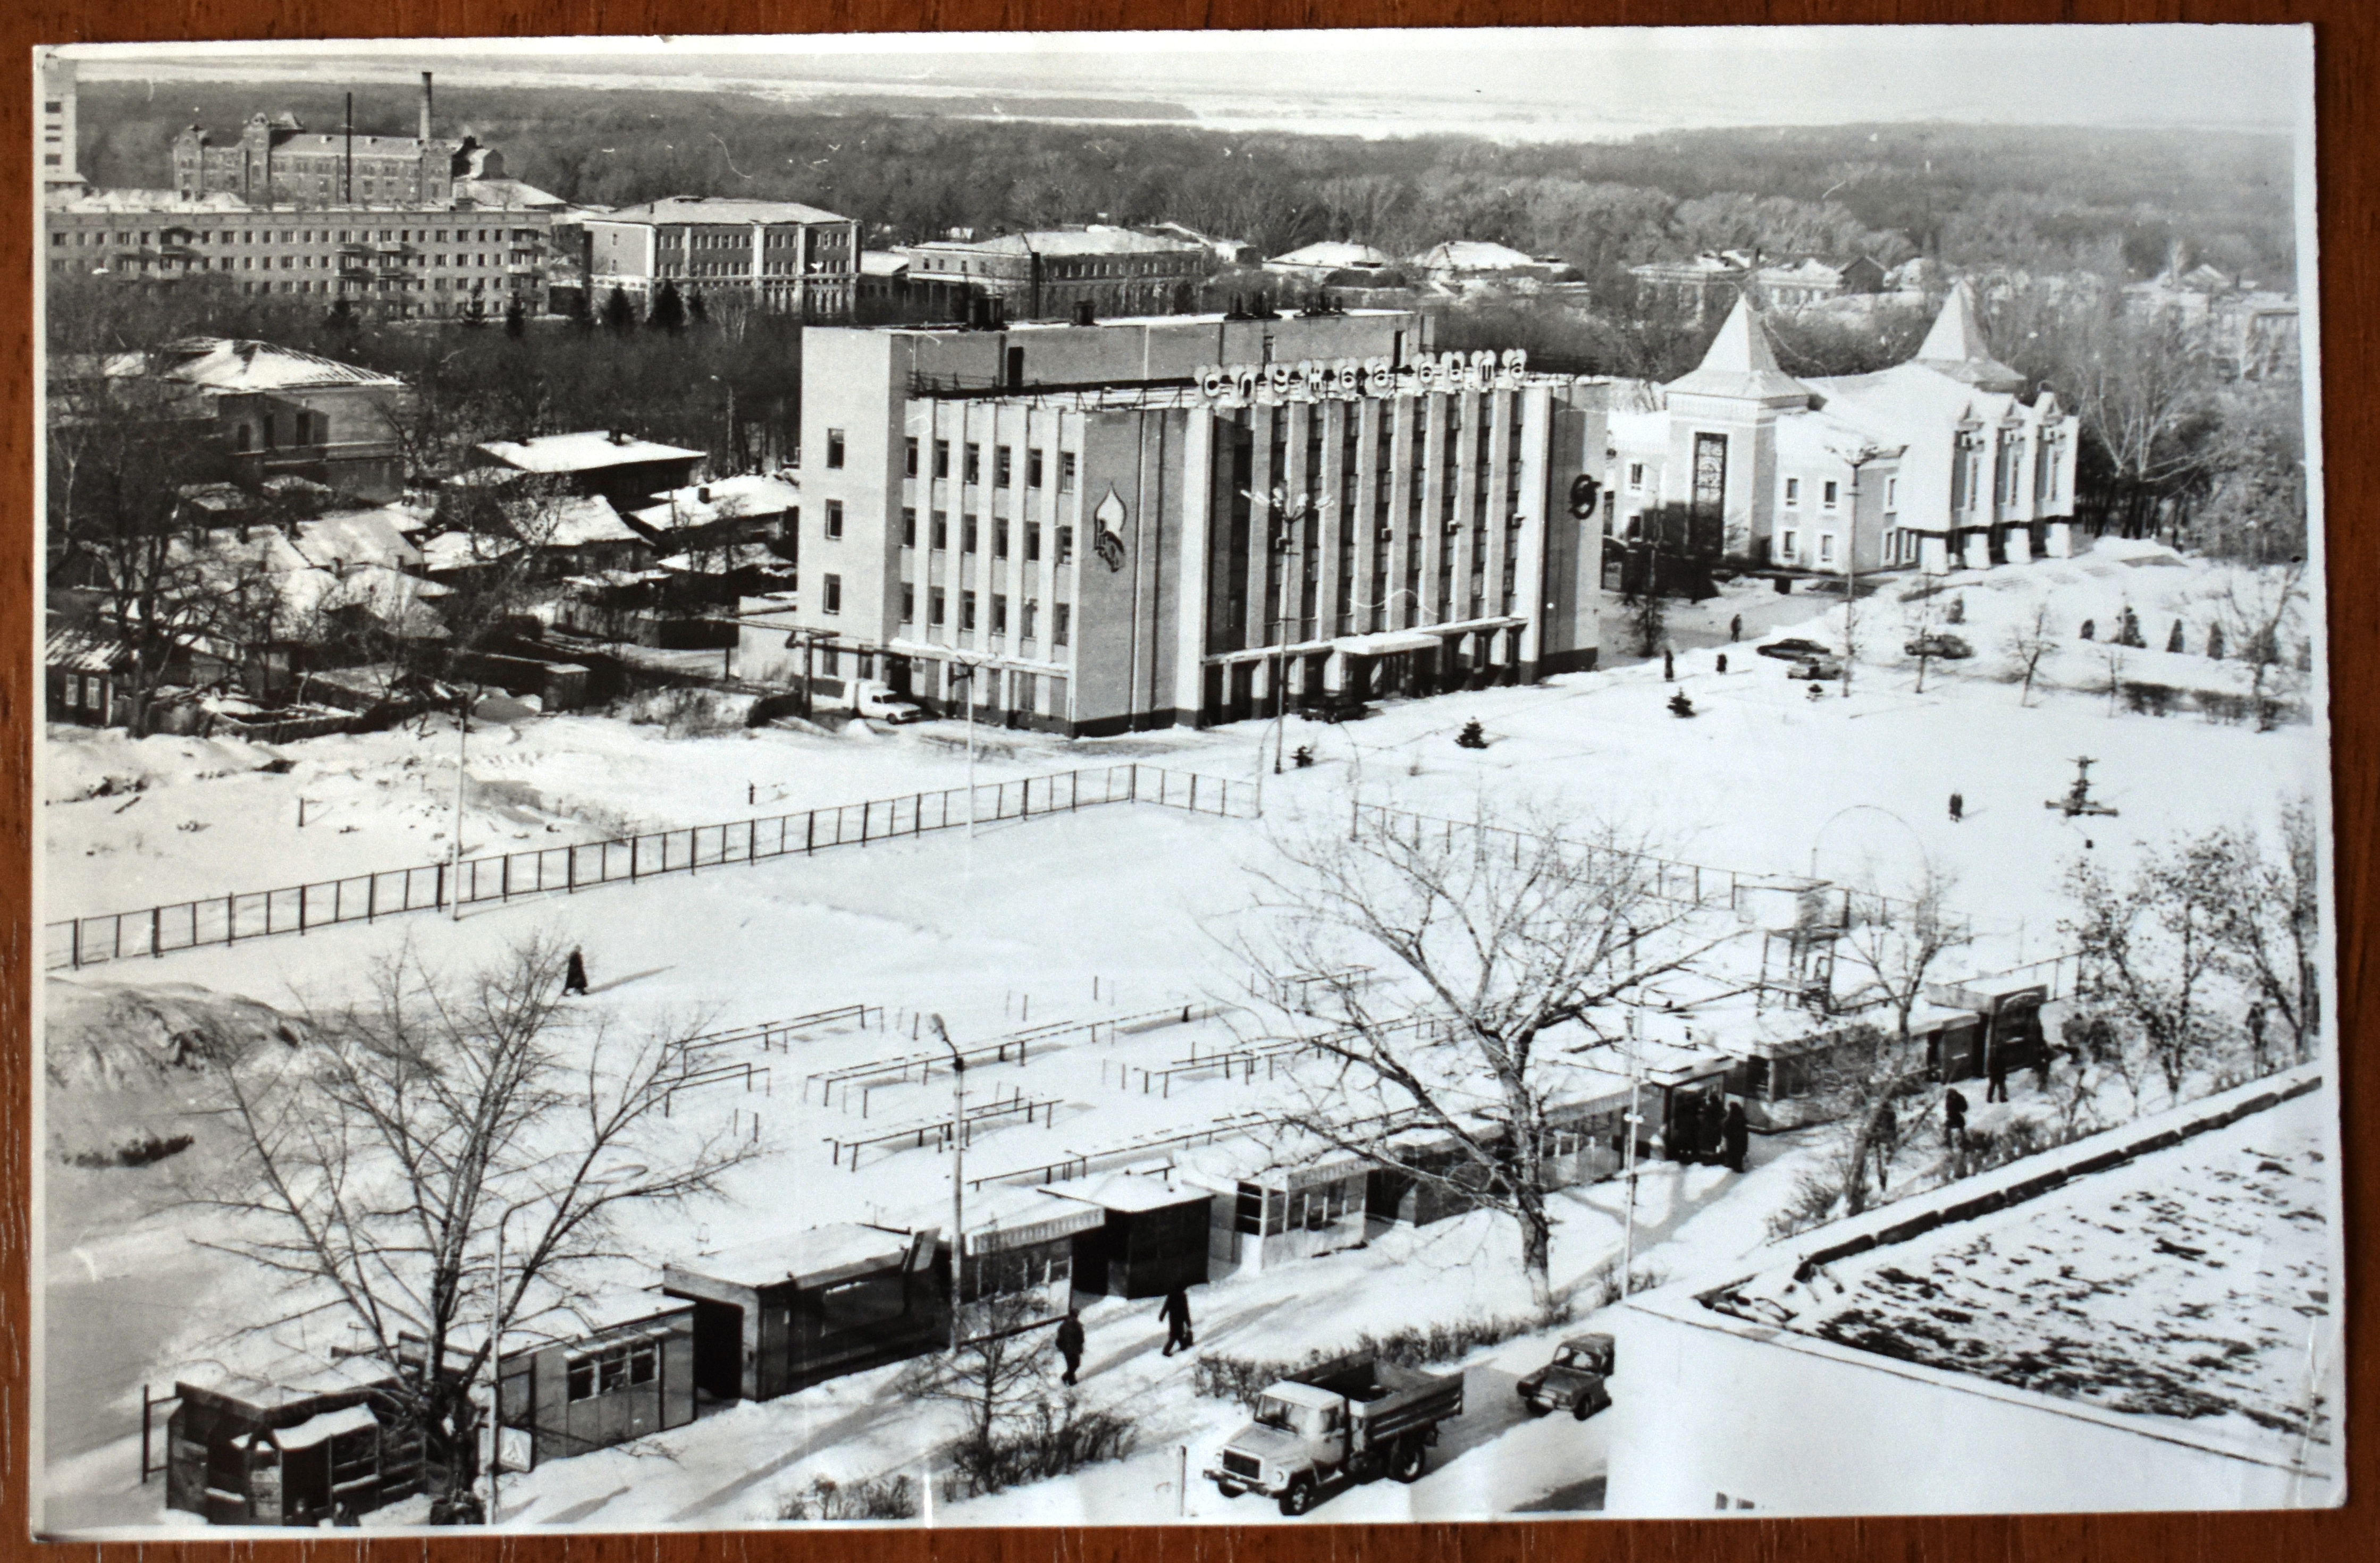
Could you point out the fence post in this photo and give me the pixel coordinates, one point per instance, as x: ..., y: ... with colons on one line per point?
x: 632, y: 858
x: 437, y: 894
x: 1132, y: 783
x: 1194, y: 791
x: 76, y: 944
x: 810, y: 834
x: 505, y: 877
x: 156, y: 924
x: 371, y: 898
x: 301, y: 910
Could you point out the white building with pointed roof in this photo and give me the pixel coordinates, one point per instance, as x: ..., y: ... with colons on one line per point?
x: 1936, y: 463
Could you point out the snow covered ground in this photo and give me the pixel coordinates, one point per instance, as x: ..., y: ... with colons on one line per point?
x: 1114, y: 911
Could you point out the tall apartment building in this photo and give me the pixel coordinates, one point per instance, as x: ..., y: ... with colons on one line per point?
x: 454, y: 261
x: 1183, y: 519
x: 778, y: 254
x: 60, y: 175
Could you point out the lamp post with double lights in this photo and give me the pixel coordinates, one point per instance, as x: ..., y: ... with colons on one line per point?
x: 1855, y: 458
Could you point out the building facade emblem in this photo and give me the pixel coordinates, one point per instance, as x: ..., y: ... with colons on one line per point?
x: 1107, y: 538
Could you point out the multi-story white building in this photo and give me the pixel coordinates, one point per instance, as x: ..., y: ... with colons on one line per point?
x: 1183, y: 519
x: 779, y: 255
x: 1932, y: 463
x: 60, y: 175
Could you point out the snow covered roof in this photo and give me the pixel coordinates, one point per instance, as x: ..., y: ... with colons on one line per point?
x: 881, y: 264
x: 358, y: 536
x: 572, y: 521
x: 501, y: 193
x: 77, y: 651
x: 322, y: 1428
x: 721, y: 209
x: 586, y: 451
x: 238, y: 365
x: 1096, y: 239
x: 748, y: 493
x: 457, y: 551
x: 726, y: 560
x: 807, y: 1257
x: 1955, y: 347
x: 1741, y: 364
x: 1129, y: 1192
x: 2190, y: 1284
x: 1474, y: 255
x: 1334, y: 255
x: 153, y: 200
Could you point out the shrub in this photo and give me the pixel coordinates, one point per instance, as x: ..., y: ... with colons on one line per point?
x: 684, y: 713
x: 876, y: 1497
x: 1056, y: 1439
x: 2150, y: 699
x: 1813, y: 1204
x: 2218, y: 705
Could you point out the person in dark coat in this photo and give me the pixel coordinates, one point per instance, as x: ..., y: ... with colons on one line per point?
x: 1176, y: 1315
x: 1954, y: 1119
x: 1958, y: 808
x: 575, y: 979
x: 1689, y: 1127
x: 1070, y: 1344
x: 1997, y: 1091
x: 1887, y: 1135
x: 1735, y: 628
x: 1722, y: 661
x: 2256, y: 1035
x: 1736, y: 1134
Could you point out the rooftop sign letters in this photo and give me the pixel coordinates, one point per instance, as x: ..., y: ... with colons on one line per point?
x: 1345, y: 379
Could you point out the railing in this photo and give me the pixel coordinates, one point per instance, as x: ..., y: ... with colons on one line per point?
x: 227, y: 919
x: 1688, y: 884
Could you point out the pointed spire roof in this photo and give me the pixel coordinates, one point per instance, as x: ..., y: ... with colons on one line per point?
x: 1956, y: 347
x: 1741, y: 364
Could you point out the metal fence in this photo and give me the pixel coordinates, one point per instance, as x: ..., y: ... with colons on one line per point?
x: 1688, y: 884
x: 229, y: 918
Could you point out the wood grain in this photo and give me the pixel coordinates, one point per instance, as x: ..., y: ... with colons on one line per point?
x: 2348, y: 41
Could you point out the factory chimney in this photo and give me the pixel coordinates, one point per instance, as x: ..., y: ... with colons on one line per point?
x: 425, y: 106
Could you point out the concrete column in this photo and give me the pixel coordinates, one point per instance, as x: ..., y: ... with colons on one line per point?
x: 1430, y: 520
x: 1330, y: 524
x: 1402, y: 611
x: 1979, y: 549
x: 2059, y: 542
x: 1363, y: 522
x: 1533, y: 410
x: 1300, y: 419
x: 1261, y: 478
x: 1933, y: 553
x: 1500, y: 505
x: 1465, y: 554
x: 2020, y: 543
x: 1190, y: 616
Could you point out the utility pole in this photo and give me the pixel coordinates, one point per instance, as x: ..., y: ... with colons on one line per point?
x: 496, y: 1370
x: 462, y: 742
x: 1856, y: 459
x: 1627, y: 1160
x: 958, y: 1174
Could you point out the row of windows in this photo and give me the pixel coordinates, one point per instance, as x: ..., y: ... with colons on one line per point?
x: 940, y: 537
x: 602, y: 1373
x: 296, y: 236
x: 1060, y: 614
x: 1003, y: 463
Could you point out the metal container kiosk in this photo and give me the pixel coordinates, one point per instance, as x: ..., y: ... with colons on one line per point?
x: 2009, y: 1007
x: 246, y: 1451
x: 1152, y: 1236
x: 631, y: 1373
x: 780, y: 1314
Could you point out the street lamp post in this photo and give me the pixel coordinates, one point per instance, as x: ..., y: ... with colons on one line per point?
x: 1855, y: 458
x: 462, y: 744
x: 1628, y: 1158
x: 958, y: 1174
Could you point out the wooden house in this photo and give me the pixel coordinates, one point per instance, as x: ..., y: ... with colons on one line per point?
x: 630, y: 1373
x: 290, y: 1451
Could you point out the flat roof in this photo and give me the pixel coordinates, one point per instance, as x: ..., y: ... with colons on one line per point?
x: 2190, y: 1283
x: 1127, y: 1192
x: 804, y: 1257
x: 584, y: 451
x: 720, y: 208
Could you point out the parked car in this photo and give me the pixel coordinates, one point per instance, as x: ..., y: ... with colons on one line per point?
x: 1793, y: 649
x: 1817, y: 669
x: 1575, y: 1380
x: 1939, y: 644
x: 874, y: 700
x: 1351, y: 1419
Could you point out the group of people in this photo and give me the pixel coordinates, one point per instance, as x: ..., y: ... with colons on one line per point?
x: 1706, y: 1134
x: 1174, y: 1313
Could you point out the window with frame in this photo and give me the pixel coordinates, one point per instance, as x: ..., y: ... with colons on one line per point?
x: 1000, y: 539
x: 830, y: 595
x: 909, y: 457
x: 1032, y: 614
x: 834, y: 519
x: 1065, y: 472
x: 966, y: 611
x: 935, y: 615
x: 1793, y: 491
x: 1032, y: 540
x: 1002, y: 463
x: 908, y: 602
x: 998, y: 613
x: 1059, y: 614
x: 908, y: 526
x: 966, y: 534
x: 1032, y: 469
x: 974, y: 463
x: 1827, y: 495
x: 1065, y: 545
x: 942, y: 530
x: 1826, y: 548
x: 1788, y: 545
x: 942, y: 458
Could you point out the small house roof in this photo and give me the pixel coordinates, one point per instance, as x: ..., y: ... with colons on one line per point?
x: 571, y: 522
x: 457, y: 551
x: 80, y: 651
x: 1474, y: 255
x: 807, y: 1257
x: 1334, y: 255
x: 589, y: 450
x: 1741, y: 363
x: 699, y: 504
x: 358, y: 536
x: 229, y: 364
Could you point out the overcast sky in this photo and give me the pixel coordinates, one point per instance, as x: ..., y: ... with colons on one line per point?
x: 1598, y: 81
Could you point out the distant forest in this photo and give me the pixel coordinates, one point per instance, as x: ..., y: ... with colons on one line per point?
x: 2114, y: 202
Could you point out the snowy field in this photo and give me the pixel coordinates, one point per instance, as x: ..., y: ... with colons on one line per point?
x: 1115, y: 912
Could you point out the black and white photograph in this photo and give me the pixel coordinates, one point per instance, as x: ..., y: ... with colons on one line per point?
x: 1465, y: 774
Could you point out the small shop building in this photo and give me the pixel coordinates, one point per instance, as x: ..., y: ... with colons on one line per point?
x: 290, y: 1451
x: 1020, y: 1243
x: 785, y: 1313
x: 2007, y: 1034
x: 1152, y: 1236
x: 1274, y: 1202
x: 630, y: 1373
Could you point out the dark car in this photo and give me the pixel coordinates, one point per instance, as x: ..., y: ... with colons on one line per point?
x: 1575, y: 1380
x: 1793, y: 649
x: 1946, y: 646
x: 1815, y: 669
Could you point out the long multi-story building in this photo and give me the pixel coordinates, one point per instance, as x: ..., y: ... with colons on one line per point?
x: 780, y: 255
x: 399, y: 260
x: 60, y: 174
x: 1185, y: 519
x: 1054, y: 274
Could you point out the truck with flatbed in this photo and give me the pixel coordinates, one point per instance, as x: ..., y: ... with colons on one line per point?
x: 1352, y: 1419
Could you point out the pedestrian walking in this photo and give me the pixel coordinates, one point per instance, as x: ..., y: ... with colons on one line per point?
x: 1669, y: 663
x: 1954, y: 1119
x: 1736, y: 1133
x: 1735, y: 629
x: 575, y: 979
x: 1070, y: 1344
x: 1997, y: 1090
x: 2256, y: 1035
x: 2044, y: 1055
x: 1958, y: 808
x: 1722, y: 661
x: 1176, y: 1315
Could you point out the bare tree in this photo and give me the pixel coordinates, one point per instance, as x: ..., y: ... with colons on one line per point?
x: 2257, y: 609
x: 2150, y: 949
x: 382, y: 1166
x: 996, y: 1374
x: 2271, y: 924
x: 1494, y: 936
x: 2026, y: 643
